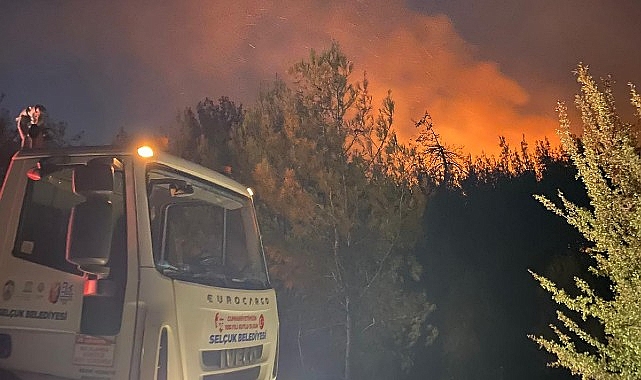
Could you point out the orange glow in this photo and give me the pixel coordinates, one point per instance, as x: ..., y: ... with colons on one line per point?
x: 430, y: 68
x: 421, y: 58
x: 231, y: 49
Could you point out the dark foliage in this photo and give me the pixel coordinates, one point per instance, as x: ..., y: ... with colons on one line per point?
x: 9, y: 140
x: 481, y: 239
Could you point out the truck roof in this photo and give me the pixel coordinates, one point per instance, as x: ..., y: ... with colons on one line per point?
x: 158, y: 157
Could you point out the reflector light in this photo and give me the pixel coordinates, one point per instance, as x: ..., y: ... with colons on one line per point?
x: 145, y: 151
x: 34, y: 174
x: 90, y: 288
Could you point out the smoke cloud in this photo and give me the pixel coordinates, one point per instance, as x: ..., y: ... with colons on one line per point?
x: 101, y: 65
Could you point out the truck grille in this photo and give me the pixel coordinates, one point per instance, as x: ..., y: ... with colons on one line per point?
x: 232, y: 357
x: 243, y: 374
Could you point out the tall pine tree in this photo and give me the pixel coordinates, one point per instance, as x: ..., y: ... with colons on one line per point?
x: 344, y: 212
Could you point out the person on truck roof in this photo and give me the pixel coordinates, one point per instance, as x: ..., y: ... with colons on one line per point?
x: 31, y: 127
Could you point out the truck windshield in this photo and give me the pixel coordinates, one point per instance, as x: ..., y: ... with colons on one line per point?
x: 204, y: 233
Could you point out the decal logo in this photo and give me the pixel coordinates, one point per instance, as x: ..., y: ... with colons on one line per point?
x: 28, y: 287
x: 233, y: 328
x: 8, y: 289
x: 234, y: 338
x: 62, y: 292
x: 66, y: 292
x: 218, y: 322
x: 237, y: 300
x: 96, y: 352
x: 34, y: 314
x: 54, y: 292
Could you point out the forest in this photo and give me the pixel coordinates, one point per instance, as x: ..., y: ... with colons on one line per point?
x: 413, y: 260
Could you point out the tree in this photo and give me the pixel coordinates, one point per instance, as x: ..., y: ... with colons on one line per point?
x: 205, y: 136
x: 481, y: 236
x: 341, y: 213
x: 9, y: 139
x: 217, y: 121
x: 435, y: 164
x: 608, y: 162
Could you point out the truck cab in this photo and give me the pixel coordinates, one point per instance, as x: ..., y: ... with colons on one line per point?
x: 121, y: 263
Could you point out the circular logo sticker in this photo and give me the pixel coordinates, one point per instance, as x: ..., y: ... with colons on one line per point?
x: 7, y: 290
x: 54, y: 292
x: 218, y: 322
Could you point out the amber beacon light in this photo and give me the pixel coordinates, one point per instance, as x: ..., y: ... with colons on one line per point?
x: 145, y: 151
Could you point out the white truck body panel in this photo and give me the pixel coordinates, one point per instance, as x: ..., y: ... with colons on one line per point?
x: 175, y: 323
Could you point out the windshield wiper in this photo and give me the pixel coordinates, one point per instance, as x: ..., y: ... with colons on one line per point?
x: 165, y: 267
x: 211, y: 278
x: 250, y: 283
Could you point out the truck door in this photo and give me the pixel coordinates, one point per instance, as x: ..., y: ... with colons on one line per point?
x: 68, y: 310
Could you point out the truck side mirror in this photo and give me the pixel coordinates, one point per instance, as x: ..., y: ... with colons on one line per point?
x: 180, y: 188
x: 90, y: 227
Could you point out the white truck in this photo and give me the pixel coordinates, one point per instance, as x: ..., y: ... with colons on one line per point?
x: 130, y: 264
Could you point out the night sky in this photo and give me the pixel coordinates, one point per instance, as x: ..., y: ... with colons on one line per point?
x: 481, y: 68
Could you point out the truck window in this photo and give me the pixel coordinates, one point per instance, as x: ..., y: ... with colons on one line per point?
x: 42, y: 231
x: 204, y: 233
